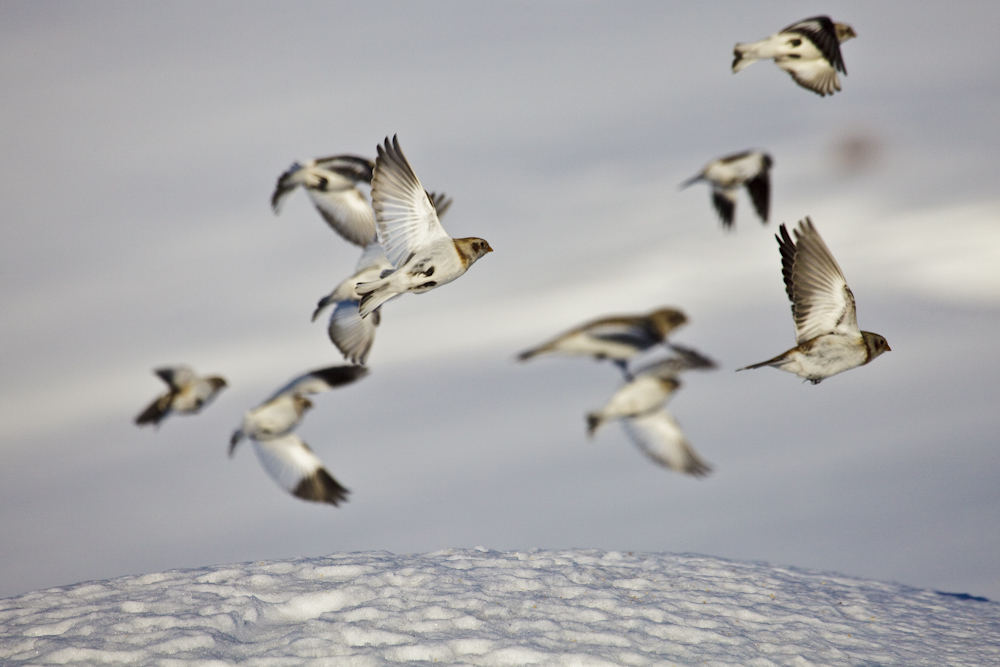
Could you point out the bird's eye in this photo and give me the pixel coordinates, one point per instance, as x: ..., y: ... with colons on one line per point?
x: 796, y: 42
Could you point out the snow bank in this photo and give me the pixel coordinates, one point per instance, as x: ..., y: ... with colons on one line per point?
x: 484, y: 607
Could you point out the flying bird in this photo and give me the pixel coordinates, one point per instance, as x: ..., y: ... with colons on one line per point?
x: 826, y: 324
x: 421, y: 253
x: 285, y: 457
x: 187, y: 394
x: 331, y: 183
x: 618, y: 337
x: 808, y: 50
x: 660, y: 438
x: 751, y: 169
x: 352, y: 334
x: 649, y: 389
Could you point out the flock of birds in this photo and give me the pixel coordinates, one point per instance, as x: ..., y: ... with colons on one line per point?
x: 406, y: 250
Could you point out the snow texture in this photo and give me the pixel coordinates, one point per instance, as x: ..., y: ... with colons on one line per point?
x: 483, y: 607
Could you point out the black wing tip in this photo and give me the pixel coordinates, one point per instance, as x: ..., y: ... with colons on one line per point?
x: 336, y: 376
x: 321, y: 487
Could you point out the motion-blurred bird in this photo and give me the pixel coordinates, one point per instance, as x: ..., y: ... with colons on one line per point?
x: 187, y: 394
x: 332, y: 185
x: 649, y: 389
x: 826, y: 324
x: 422, y: 254
x: 283, y: 454
x: 352, y: 334
x: 749, y: 168
x: 618, y: 338
x: 808, y: 50
x: 660, y: 438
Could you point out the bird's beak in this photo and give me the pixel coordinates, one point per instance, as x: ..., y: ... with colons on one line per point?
x: 488, y: 248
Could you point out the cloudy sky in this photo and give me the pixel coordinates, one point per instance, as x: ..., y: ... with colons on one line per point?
x: 140, y: 146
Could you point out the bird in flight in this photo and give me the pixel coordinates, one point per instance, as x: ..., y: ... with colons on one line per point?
x: 808, y: 50
x: 187, y: 394
x: 751, y: 169
x: 826, y: 325
x: 421, y: 253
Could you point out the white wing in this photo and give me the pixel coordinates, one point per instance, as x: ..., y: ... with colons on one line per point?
x: 347, y: 211
x: 661, y: 439
x: 817, y: 75
x: 404, y: 214
x: 177, y: 377
x: 822, y: 302
x: 295, y: 468
x: 352, y: 334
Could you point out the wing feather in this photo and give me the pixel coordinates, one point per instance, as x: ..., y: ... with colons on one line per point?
x: 290, y: 463
x: 660, y: 438
x: 822, y: 32
x: 822, y: 302
x: 404, y: 213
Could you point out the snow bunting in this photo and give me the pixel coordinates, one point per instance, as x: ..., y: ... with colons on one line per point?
x: 826, y: 324
x: 187, y: 395
x: 808, y: 50
x: 283, y: 454
x: 422, y: 254
x: 727, y: 174
x: 661, y: 439
x: 348, y: 331
x: 618, y: 338
x: 649, y: 389
x: 332, y: 185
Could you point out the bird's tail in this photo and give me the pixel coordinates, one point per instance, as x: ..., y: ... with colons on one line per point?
x: 691, y: 181
x: 744, y: 55
x: 373, y: 295
x: 594, y: 422
x: 235, y: 440
x: 770, y: 362
x: 533, y: 352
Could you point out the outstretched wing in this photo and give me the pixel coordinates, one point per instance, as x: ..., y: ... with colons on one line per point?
x: 404, y: 213
x: 816, y: 75
x: 724, y: 201
x: 320, y: 380
x: 759, y: 189
x: 176, y: 377
x: 822, y: 302
x: 352, y: 334
x: 821, y: 31
x: 295, y: 468
x: 659, y: 437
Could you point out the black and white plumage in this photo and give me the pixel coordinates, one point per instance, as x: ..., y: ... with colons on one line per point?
x: 283, y: 454
x: 826, y: 325
x: 658, y: 435
x: 618, y: 337
x: 331, y: 183
x: 352, y: 334
x: 649, y: 388
x: 808, y: 50
x: 187, y: 394
x: 422, y: 254
x: 750, y: 169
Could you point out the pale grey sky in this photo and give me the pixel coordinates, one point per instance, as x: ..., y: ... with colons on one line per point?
x: 138, y: 155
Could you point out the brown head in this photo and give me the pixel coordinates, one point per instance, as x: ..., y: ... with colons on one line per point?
x: 217, y: 382
x: 666, y: 320
x: 844, y: 32
x: 470, y: 249
x: 874, y: 345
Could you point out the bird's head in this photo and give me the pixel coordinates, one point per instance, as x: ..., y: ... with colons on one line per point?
x: 472, y: 248
x: 667, y: 319
x: 844, y: 32
x: 875, y: 344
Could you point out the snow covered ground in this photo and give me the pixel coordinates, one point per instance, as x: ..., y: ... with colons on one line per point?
x: 486, y: 607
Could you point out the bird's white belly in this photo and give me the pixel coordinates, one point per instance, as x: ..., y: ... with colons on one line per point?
x: 829, y: 355
x: 637, y: 397
x: 583, y: 343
